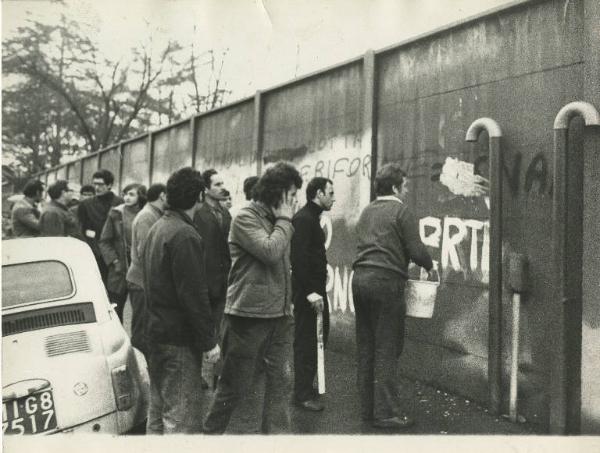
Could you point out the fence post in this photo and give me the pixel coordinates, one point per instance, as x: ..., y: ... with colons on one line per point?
x: 81, y: 171
x: 150, y: 158
x: 193, y: 140
x: 257, y: 136
x: 120, y: 180
x: 370, y: 113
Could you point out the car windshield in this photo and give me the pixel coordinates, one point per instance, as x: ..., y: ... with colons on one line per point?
x: 32, y: 282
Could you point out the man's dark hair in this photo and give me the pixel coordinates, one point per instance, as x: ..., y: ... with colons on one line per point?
x: 387, y: 177
x: 56, y: 189
x: 33, y: 187
x: 106, y: 176
x: 275, y: 181
x: 249, y: 184
x: 207, y: 174
x: 87, y: 188
x: 183, y: 188
x: 154, y: 191
x: 316, y: 184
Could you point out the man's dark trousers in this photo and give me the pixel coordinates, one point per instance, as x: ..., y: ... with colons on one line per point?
x: 305, y: 346
x: 380, y: 311
x: 244, y: 341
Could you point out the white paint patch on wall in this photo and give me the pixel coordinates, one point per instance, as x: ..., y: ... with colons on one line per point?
x: 459, y: 177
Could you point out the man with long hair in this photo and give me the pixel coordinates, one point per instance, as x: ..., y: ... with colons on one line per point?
x: 258, y: 322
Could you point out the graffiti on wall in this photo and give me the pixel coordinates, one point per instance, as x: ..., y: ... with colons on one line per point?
x: 457, y: 245
x: 533, y: 178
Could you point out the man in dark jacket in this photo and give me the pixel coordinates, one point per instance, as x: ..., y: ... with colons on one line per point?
x: 213, y: 223
x: 57, y: 220
x: 258, y: 322
x: 309, y: 278
x: 181, y: 330
x: 388, y: 238
x: 94, y: 211
x: 25, y: 214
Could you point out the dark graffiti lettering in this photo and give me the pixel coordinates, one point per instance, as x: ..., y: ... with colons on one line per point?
x: 436, y: 171
x: 319, y: 168
x: 354, y: 166
x: 511, y: 173
x: 333, y: 169
x: 337, y: 168
x: 367, y: 166
x: 537, y: 172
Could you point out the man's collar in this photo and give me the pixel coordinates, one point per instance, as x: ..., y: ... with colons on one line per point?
x: 58, y: 204
x: 263, y: 209
x: 314, y: 207
x: 28, y: 201
x: 107, y: 194
x: 389, y: 198
x: 155, y: 208
x: 181, y: 214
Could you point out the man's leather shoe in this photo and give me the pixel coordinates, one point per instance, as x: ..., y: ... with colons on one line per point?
x: 311, y: 405
x: 394, y: 423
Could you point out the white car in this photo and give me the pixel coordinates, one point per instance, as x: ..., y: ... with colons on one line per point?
x: 67, y: 362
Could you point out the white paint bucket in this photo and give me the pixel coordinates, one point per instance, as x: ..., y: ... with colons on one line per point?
x: 420, y: 298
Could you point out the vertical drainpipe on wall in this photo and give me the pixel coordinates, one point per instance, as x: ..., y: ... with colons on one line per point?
x: 495, y: 280
x: 563, y: 304
x: 370, y: 113
x: 257, y: 132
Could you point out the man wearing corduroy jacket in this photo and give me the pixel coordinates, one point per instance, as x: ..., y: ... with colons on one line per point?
x: 258, y: 322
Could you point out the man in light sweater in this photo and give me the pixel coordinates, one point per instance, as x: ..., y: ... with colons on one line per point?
x: 388, y: 238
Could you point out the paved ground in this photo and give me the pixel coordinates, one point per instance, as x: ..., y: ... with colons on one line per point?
x: 434, y: 411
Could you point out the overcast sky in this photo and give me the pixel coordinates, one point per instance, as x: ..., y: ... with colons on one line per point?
x: 269, y: 41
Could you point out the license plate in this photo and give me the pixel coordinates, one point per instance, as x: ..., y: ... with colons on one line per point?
x: 31, y: 414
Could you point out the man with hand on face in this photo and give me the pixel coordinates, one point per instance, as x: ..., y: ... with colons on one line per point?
x: 258, y: 322
x: 309, y: 278
x: 181, y: 330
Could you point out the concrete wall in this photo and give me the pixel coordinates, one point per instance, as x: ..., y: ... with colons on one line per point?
x: 518, y: 68
x: 413, y: 104
x: 590, y: 335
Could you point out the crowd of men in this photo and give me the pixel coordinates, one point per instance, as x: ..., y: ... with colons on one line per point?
x: 240, y: 295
